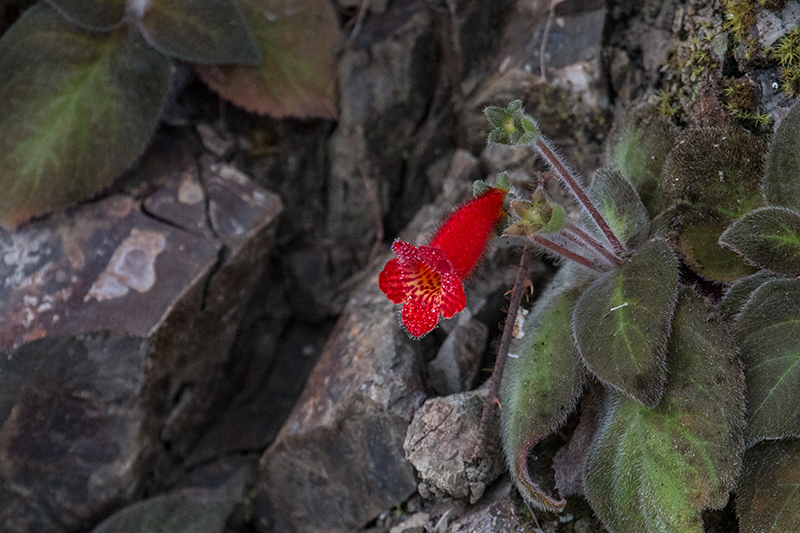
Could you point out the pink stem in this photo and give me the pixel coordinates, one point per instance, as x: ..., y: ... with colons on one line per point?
x: 591, y: 241
x: 560, y: 250
x: 553, y: 160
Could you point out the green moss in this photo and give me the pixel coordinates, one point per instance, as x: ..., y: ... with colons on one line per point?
x: 668, y: 104
x: 739, y: 101
x: 739, y: 15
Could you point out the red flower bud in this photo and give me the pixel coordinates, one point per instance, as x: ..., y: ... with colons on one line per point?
x: 427, y: 280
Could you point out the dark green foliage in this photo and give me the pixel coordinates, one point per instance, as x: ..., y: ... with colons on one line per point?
x: 200, y: 31
x: 638, y: 147
x: 541, y: 384
x: 737, y: 295
x: 673, y: 430
x: 768, y: 238
x: 713, y: 175
x: 768, y: 331
x: 767, y: 491
x: 655, y: 469
x: 76, y: 109
x: 622, y: 322
x: 782, y: 169
x: 92, y: 14
x: 618, y: 202
x: 83, y: 82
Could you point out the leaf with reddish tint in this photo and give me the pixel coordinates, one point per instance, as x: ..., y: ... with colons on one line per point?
x: 199, y: 31
x: 297, y: 75
x: 541, y: 384
x: 638, y: 146
x: 739, y: 293
x: 655, y: 470
x: 766, y: 495
x: 768, y: 238
x: 77, y: 108
x: 781, y: 182
x: 92, y: 14
x: 713, y: 175
x: 768, y: 331
x: 622, y: 322
x: 619, y: 203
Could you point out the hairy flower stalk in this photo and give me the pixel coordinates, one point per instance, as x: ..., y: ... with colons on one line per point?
x: 566, y: 176
x: 428, y: 280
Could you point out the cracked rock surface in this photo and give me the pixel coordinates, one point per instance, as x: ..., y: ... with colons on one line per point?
x: 117, y: 317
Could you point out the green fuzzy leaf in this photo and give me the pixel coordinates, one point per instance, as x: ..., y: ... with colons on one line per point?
x: 92, y: 14
x: 622, y: 322
x: 739, y: 293
x: 199, y: 31
x: 769, y: 238
x: 766, y: 495
x: 187, y: 511
x: 781, y: 182
x: 297, y: 76
x: 768, y: 331
x: 76, y: 109
x: 541, y: 384
x: 713, y: 174
x: 656, y: 470
x: 638, y: 147
x: 619, y: 203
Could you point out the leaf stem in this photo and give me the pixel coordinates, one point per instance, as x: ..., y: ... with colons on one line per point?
x: 585, y: 238
x: 505, y: 343
x: 560, y: 250
x: 563, y: 172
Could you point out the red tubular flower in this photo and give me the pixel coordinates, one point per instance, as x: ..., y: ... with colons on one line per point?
x: 427, y: 280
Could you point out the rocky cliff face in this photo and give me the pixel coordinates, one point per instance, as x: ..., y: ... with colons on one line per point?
x: 210, y: 336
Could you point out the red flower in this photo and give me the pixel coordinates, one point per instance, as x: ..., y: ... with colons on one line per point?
x: 427, y: 280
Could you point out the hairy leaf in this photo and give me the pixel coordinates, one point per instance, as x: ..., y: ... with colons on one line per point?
x: 656, y: 470
x: 781, y: 182
x: 619, y: 203
x: 768, y: 331
x: 713, y: 174
x: 187, y: 511
x: 769, y: 238
x: 92, y: 14
x: 297, y: 74
x: 622, y: 322
x: 76, y: 109
x: 199, y: 31
x: 737, y: 295
x: 766, y: 499
x: 638, y: 147
x: 541, y: 385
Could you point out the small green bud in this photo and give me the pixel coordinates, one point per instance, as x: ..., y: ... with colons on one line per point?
x: 501, y: 182
x: 479, y: 187
x: 511, y: 125
x: 539, y: 215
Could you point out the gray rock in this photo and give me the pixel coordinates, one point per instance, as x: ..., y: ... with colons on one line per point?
x: 338, y: 460
x: 496, y: 512
x: 386, y: 81
x: 416, y: 523
x: 441, y: 443
x: 457, y: 364
x: 118, y: 321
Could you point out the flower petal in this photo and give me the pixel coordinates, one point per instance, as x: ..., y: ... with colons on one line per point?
x: 420, y: 316
x: 453, y: 298
x: 392, y: 281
